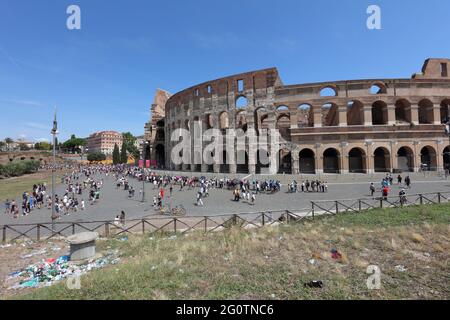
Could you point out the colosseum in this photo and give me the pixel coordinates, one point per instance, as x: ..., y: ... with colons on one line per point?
x: 339, y: 127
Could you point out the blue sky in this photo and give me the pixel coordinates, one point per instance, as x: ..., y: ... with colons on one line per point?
x: 103, y: 76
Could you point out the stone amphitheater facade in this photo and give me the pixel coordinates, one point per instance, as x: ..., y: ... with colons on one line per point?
x: 352, y: 126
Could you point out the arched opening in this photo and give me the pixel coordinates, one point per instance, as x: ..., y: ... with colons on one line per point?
x: 330, y: 115
x: 379, y: 113
x: 241, y: 102
x: 425, y: 112
x: 241, y: 121
x: 357, y: 161
x: 328, y: 92
x: 403, y: 111
x: 378, y: 88
x: 405, y: 159
x: 355, y: 113
x: 283, y: 109
x: 242, y: 162
x: 262, y: 160
x: 445, y: 106
x: 428, y: 159
x: 147, y: 152
x: 208, y: 121
x: 283, y: 126
x: 307, y: 161
x: 224, y: 163
x: 160, y: 133
x: 260, y: 115
x: 446, y: 158
x: 160, y: 156
x: 382, y: 160
x: 304, y: 116
x: 331, y: 161
x: 284, y: 162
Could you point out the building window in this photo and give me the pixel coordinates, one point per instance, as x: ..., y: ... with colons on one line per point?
x: 444, y: 72
x: 240, y: 85
x: 209, y: 88
x: 196, y: 92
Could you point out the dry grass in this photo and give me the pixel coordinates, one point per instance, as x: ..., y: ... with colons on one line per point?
x: 276, y: 262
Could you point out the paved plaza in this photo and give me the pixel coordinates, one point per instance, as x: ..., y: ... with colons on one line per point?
x: 113, y: 200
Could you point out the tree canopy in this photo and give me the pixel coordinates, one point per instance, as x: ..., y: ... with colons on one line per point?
x: 73, y: 144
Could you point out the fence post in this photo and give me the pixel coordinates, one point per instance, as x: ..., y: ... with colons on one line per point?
x: 107, y: 230
x: 439, y: 197
x: 234, y: 219
x: 38, y: 236
x: 337, y: 207
x: 73, y: 228
x: 421, y: 199
x: 143, y: 226
x: 175, y: 225
x: 359, y: 205
x: 381, y: 202
x: 263, y: 219
x: 206, y: 224
x: 4, y: 234
x: 312, y: 203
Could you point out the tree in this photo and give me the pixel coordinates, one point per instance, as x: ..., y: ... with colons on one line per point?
x: 73, y: 144
x: 116, y: 154
x: 2, y: 145
x: 129, y: 141
x: 46, y: 146
x: 8, y: 142
x: 123, y: 155
x: 96, y: 156
x: 24, y: 147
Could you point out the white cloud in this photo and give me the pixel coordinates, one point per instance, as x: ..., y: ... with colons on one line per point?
x: 24, y: 102
x: 38, y: 126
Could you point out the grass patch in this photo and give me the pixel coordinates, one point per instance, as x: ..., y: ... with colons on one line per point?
x: 275, y: 262
x: 12, y: 188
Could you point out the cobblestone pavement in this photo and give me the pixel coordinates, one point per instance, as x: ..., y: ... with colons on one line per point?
x: 112, y: 201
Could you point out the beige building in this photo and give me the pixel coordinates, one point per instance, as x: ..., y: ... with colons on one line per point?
x: 104, y: 142
x: 349, y: 126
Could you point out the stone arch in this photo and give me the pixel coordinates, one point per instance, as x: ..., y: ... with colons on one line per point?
x: 444, y: 111
x: 331, y: 161
x: 425, y: 111
x: 330, y: 115
x: 223, y: 120
x: 446, y: 158
x: 382, y: 160
x: 305, y: 115
x: 241, y: 120
x: 357, y: 161
x: 378, y: 88
x: 379, y: 113
x: 428, y: 158
x: 242, y: 161
x: 283, y: 125
x: 262, y: 160
x: 261, y: 119
x: 405, y: 159
x: 284, y: 161
x: 160, y: 156
x: 307, y: 161
x: 328, y: 91
x: 403, y: 111
x: 241, y: 102
x: 208, y: 121
x: 355, y: 113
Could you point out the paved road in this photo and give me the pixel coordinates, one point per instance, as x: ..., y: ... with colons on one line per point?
x: 220, y: 201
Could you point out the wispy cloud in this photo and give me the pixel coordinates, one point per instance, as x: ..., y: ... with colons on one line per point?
x: 38, y: 126
x: 24, y: 102
x: 9, y: 57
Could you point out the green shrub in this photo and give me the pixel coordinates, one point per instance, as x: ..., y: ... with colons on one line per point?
x: 15, y: 169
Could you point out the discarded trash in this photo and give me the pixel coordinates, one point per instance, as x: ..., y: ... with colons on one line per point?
x: 3, y: 246
x: 280, y: 238
x: 314, y: 284
x: 151, y: 238
x: 336, y: 254
x: 124, y: 238
x: 400, y: 268
x: 36, y: 253
x: 56, y: 249
x: 172, y: 237
x: 49, y: 271
x: 312, y: 261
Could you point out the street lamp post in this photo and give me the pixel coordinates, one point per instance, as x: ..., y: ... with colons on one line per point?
x: 54, y: 132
